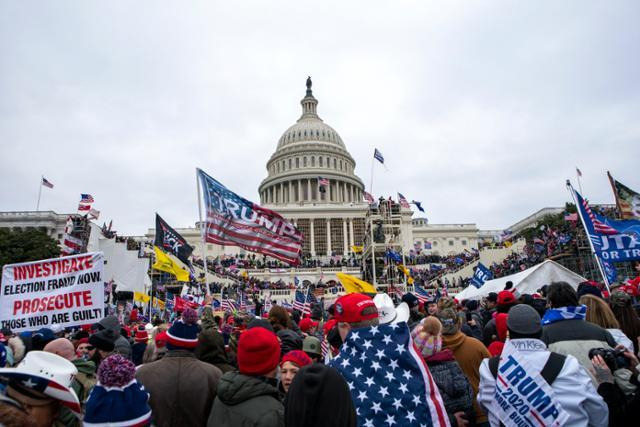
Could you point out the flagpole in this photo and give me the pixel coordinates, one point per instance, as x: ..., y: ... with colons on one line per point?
x: 578, y: 173
x: 371, y: 181
x: 593, y: 251
x: 39, y: 193
x: 204, y: 247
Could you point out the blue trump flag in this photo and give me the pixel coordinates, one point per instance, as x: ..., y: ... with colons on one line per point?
x: 612, y: 240
x: 610, y: 271
x: 389, y: 380
x: 481, y: 275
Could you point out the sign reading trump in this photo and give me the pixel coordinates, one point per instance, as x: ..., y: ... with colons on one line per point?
x: 66, y: 291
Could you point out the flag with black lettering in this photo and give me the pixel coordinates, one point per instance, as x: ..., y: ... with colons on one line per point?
x: 171, y: 241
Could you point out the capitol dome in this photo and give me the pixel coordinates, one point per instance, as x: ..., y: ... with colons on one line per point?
x: 311, y: 164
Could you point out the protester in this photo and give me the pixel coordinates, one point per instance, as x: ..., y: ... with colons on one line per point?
x: 118, y: 399
x: 565, y: 330
x: 121, y: 344
x: 495, y: 348
x: 103, y: 343
x: 290, y: 365
x: 250, y: 395
x: 353, y: 311
x: 83, y: 348
x: 308, y: 326
x: 319, y: 396
x: 504, y: 301
x: 599, y: 313
x: 489, y: 307
x: 414, y: 313
x: 467, y: 351
x: 572, y: 387
x: 313, y: 347
x: 141, y: 338
x: 454, y: 387
x: 211, y: 350
x: 42, y: 337
x: 182, y: 388
x: 626, y: 316
x: 13, y: 414
x: 28, y: 384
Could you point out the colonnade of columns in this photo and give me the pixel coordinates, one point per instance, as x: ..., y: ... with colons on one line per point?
x: 306, y: 190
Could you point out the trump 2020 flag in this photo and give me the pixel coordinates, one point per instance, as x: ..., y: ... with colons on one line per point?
x: 233, y: 220
x: 481, y: 275
x: 389, y: 381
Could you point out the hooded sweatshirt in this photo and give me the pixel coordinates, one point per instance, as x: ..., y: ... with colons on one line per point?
x: 469, y: 353
x: 243, y: 400
x: 210, y: 349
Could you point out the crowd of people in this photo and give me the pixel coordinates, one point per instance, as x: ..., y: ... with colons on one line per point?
x: 283, y: 368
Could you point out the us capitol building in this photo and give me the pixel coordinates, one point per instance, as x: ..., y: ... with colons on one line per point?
x: 332, y: 218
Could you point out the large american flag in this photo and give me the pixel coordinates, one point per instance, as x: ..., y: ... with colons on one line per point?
x: 598, y: 225
x: 235, y: 221
x: 403, y: 201
x: 389, y: 381
x: 323, y: 182
x: 420, y: 293
x: 300, y: 302
x: 369, y: 198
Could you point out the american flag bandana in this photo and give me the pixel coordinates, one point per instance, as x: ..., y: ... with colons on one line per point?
x: 389, y: 381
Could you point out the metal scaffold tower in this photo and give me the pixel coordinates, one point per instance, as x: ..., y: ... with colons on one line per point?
x: 383, y: 233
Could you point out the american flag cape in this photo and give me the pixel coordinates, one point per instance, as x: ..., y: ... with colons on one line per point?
x: 233, y: 220
x: 389, y: 381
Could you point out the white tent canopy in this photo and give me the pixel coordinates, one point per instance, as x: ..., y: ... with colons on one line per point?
x: 525, y: 282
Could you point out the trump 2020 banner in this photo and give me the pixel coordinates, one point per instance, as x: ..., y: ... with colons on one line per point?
x: 481, y: 275
x: 235, y: 221
x: 66, y: 291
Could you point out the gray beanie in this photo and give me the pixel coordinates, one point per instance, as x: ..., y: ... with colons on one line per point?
x: 524, y: 319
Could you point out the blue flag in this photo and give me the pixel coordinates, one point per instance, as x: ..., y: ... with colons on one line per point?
x: 481, y: 275
x: 378, y: 156
x: 613, y: 240
x: 418, y: 205
x: 610, y: 271
x: 389, y: 381
x: 394, y: 256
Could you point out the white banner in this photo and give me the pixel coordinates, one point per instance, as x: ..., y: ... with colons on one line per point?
x: 523, y: 399
x: 66, y: 291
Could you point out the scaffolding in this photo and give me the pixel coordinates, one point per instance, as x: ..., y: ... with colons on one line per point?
x: 383, y: 232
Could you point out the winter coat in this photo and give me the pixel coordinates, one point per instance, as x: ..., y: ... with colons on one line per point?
x: 289, y: 340
x: 454, y: 387
x: 210, y: 349
x: 245, y: 401
x: 572, y: 387
x: 469, y: 353
x: 621, y: 407
x: 576, y: 337
x: 489, y: 332
x: 137, y: 352
x: 182, y: 388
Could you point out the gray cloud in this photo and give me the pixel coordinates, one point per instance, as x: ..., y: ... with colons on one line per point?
x: 481, y: 109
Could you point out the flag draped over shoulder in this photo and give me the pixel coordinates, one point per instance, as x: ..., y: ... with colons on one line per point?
x: 235, y: 221
x: 352, y: 284
x: 166, y: 264
x: 389, y: 381
x: 171, y: 241
x: 628, y: 201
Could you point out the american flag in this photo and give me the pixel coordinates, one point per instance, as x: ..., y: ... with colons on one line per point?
x: 403, y: 201
x: 324, y: 345
x: 369, y: 198
x: 235, y: 221
x: 86, y: 198
x: 389, y: 381
x: 94, y: 214
x: 598, y: 225
x: 228, y: 305
x: 300, y: 303
x: 323, y: 182
x: 83, y: 207
x: 420, y: 293
x: 46, y: 182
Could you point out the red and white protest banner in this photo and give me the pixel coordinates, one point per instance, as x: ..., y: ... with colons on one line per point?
x: 66, y: 291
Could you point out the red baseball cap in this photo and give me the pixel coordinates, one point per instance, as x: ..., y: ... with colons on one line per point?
x: 328, y: 325
x: 506, y: 298
x: 298, y: 357
x: 306, y: 324
x: 354, y: 308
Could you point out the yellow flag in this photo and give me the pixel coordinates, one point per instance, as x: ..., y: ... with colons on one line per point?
x: 352, y: 284
x: 140, y: 297
x: 508, y: 244
x: 164, y: 263
x: 407, y: 273
x: 244, y: 274
x: 158, y: 303
x: 357, y: 249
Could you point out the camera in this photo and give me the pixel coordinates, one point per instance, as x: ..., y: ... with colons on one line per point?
x: 613, y: 358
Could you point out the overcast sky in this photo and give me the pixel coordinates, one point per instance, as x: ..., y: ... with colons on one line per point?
x: 482, y: 109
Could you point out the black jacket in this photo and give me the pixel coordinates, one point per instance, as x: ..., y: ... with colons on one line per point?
x: 210, y: 349
x: 246, y: 401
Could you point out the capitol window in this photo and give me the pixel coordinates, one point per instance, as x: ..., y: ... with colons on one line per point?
x: 335, y: 164
x: 304, y: 162
x: 313, y: 161
x: 289, y: 163
x: 464, y: 243
x: 328, y: 163
x: 297, y: 162
x: 320, y: 161
x: 450, y: 242
x: 340, y: 164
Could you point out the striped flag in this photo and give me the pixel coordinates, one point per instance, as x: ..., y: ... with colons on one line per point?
x: 232, y: 220
x: 323, y: 182
x: 94, y: 214
x: 46, y: 182
x: 579, y: 172
x: 403, y: 202
x: 83, y: 207
x: 86, y: 198
x: 420, y: 293
x: 369, y: 198
x: 598, y: 225
x: 378, y: 156
x: 228, y: 305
